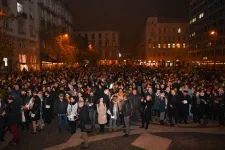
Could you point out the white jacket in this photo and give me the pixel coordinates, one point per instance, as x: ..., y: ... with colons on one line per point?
x: 72, y: 111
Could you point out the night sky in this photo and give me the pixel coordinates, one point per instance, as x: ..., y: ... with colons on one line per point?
x: 128, y: 16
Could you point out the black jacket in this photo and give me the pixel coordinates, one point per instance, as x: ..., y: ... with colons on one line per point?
x: 127, y: 108
x: 135, y: 100
x: 37, y: 106
x: 83, y: 117
x: 48, y: 101
x: 60, y: 107
x: 13, y: 113
x: 173, y: 100
x: 148, y: 108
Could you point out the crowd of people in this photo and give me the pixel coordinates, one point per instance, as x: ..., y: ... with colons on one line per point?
x: 109, y: 96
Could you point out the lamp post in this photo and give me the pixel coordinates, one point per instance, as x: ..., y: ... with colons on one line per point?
x: 213, y: 33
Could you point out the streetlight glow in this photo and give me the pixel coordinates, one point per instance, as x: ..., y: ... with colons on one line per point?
x: 66, y: 35
x: 213, y: 33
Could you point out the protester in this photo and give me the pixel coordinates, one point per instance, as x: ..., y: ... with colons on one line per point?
x: 35, y: 114
x: 72, y: 115
x: 12, y: 114
x: 60, y: 109
x: 84, y: 120
x: 113, y: 112
x: 2, y: 118
x: 102, y: 116
x: 127, y: 112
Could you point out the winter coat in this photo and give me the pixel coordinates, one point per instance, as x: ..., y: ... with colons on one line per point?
x: 148, y: 108
x: 13, y: 113
x: 135, y: 100
x: 101, y: 109
x: 72, y: 111
x: 83, y: 117
x: 127, y: 108
x: 162, y: 104
x: 60, y: 107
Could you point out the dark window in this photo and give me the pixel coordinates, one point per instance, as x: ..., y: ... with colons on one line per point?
x: 93, y: 36
x: 99, y: 35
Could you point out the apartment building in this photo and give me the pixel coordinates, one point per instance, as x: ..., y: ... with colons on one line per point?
x: 29, y: 24
x: 207, y: 31
x: 164, y: 41
x: 105, y: 42
x: 21, y: 26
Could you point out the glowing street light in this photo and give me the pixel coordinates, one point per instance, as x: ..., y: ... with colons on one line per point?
x: 66, y: 35
x: 213, y: 33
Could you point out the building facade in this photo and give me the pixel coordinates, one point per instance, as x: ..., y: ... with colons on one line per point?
x: 21, y: 26
x: 105, y: 42
x: 29, y: 23
x: 207, y: 31
x: 164, y: 41
x: 55, y: 20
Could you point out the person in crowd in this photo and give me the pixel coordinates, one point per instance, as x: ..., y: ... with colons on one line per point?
x: 184, y: 106
x: 60, y: 109
x: 48, y: 104
x: 25, y: 100
x: 72, y: 114
x: 147, y: 112
x: 12, y: 114
x: 113, y: 112
x: 127, y: 112
x: 135, y: 99
x: 102, y: 116
x: 84, y: 119
x: 196, y: 108
x: 220, y: 102
x: 162, y: 107
x: 172, y: 106
x: 35, y: 114
x: 92, y: 107
x: 41, y: 97
x: 2, y: 118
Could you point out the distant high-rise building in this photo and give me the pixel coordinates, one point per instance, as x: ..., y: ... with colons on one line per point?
x: 207, y: 30
x: 165, y: 40
x: 105, y: 42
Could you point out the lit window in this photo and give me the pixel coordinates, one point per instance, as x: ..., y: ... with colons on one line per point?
x: 179, y: 30
x: 178, y: 45
x: 159, y: 45
x: 19, y: 7
x: 22, y: 58
x: 201, y: 15
x: 173, y: 46
x: 164, y: 45
x: 184, y: 45
x: 169, y: 46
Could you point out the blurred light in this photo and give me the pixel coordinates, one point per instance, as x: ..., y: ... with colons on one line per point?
x: 120, y: 55
x: 66, y: 35
x: 6, y: 61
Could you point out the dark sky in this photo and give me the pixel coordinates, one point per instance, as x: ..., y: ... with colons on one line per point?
x: 128, y: 16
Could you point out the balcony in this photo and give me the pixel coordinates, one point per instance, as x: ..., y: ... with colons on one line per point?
x: 22, y: 15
